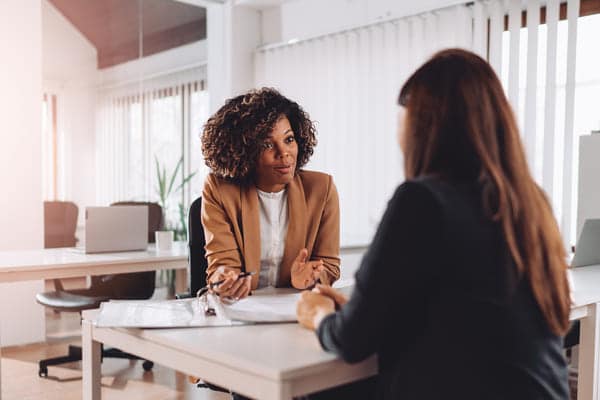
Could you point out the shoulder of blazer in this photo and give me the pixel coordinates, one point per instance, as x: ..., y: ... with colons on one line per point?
x: 223, y: 187
x: 315, y: 182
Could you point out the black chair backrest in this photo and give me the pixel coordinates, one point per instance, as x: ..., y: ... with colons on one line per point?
x: 155, y: 215
x: 196, y: 243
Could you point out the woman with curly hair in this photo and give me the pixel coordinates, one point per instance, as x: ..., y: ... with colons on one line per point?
x: 261, y: 212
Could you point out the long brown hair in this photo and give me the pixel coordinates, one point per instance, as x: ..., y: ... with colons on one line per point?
x: 459, y: 124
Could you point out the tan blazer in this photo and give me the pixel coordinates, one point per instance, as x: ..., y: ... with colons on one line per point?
x: 230, y: 217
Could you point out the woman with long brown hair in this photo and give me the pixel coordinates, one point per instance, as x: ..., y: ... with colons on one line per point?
x: 463, y: 292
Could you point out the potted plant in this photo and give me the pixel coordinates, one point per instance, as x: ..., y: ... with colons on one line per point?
x: 168, y: 187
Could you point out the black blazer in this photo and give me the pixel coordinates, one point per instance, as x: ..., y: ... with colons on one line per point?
x: 437, y: 299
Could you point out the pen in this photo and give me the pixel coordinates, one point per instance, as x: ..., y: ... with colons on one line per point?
x: 242, y: 275
x: 205, y: 289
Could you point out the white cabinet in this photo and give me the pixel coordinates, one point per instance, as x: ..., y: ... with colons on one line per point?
x: 589, y: 179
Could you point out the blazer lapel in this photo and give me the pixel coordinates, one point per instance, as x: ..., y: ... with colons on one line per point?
x: 296, y: 233
x: 251, y: 231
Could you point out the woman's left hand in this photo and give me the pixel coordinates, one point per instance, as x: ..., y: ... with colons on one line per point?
x: 312, y: 308
x: 306, y: 274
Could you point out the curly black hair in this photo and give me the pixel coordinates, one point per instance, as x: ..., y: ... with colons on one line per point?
x: 233, y: 137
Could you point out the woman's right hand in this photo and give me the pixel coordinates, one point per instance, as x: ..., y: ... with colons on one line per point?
x: 232, y: 286
x: 312, y: 308
x: 338, y: 297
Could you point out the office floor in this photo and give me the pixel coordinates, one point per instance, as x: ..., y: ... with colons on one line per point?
x: 121, y: 379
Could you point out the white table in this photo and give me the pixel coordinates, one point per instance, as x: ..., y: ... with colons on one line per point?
x: 270, y: 361
x: 585, y: 292
x: 285, y: 360
x: 67, y: 262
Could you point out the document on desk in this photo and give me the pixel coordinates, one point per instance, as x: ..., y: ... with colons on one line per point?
x: 159, y: 314
x: 265, y: 305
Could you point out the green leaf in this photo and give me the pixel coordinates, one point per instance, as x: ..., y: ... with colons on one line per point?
x: 163, y: 188
x: 182, y: 222
x: 185, y: 180
x: 157, y: 173
x: 166, y: 187
x: 161, y: 184
x: 175, y: 175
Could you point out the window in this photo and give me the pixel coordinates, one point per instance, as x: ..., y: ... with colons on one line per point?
x: 155, y: 124
x: 587, y: 93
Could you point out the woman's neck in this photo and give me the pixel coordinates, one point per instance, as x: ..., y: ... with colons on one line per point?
x: 273, y: 188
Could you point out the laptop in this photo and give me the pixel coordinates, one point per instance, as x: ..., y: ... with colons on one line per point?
x: 587, y: 251
x: 118, y: 228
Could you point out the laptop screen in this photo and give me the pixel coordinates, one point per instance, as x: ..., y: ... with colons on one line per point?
x: 122, y: 228
x: 587, y: 251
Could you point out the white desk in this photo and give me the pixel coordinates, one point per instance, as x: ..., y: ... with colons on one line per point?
x: 66, y: 263
x: 282, y: 361
x: 271, y: 361
x: 585, y: 292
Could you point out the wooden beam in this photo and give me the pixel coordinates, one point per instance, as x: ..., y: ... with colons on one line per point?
x: 588, y: 7
x: 153, y: 43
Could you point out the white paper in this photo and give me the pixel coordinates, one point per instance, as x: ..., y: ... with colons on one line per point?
x: 158, y: 314
x: 265, y: 305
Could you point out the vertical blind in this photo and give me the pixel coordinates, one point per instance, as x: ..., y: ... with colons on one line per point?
x: 141, y: 124
x: 348, y: 82
x: 533, y: 78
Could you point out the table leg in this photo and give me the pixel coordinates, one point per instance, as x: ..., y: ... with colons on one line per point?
x: 91, y: 363
x: 285, y: 392
x: 181, y: 281
x: 0, y: 370
x: 589, y: 360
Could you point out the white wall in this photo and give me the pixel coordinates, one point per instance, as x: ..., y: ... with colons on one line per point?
x: 69, y: 71
x: 172, y: 60
x: 67, y: 55
x: 271, y: 25
x: 246, y: 37
x: 233, y: 32
x: 307, y: 18
x: 21, y: 214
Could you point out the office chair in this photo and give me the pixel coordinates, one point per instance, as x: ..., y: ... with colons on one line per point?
x: 197, y: 253
x: 196, y: 243
x: 137, y: 285
x: 131, y: 286
x: 198, y: 265
x: 60, y: 223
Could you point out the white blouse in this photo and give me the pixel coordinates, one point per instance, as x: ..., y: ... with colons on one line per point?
x: 273, y: 229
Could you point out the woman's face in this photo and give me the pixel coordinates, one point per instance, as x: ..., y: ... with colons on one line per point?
x: 401, y: 132
x: 277, y: 163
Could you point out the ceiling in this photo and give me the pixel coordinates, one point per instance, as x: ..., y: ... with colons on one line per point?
x: 114, y: 27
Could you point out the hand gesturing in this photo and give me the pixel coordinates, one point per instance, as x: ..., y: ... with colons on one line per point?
x: 305, y: 274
